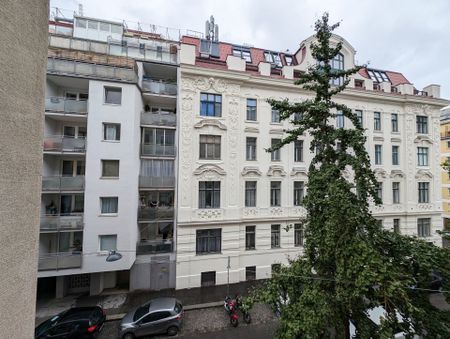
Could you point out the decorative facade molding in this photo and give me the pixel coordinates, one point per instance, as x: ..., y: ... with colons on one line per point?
x: 424, y: 175
x: 251, y: 171
x: 250, y: 211
x: 423, y: 138
x: 210, y: 122
x: 380, y: 173
x: 299, y: 171
x: 209, y: 168
x: 209, y: 213
x: 276, y: 170
x: 276, y: 131
x: 425, y: 206
x: 397, y: 173
x: 378, y: 138
x: 396, y: 140
x: 276, y: 211
x: 206, y: 84
x: 251, y: 129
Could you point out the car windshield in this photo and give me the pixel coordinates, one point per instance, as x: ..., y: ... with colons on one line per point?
x: 46, y: 325
x: 140, y: 312
x: 178, y: 308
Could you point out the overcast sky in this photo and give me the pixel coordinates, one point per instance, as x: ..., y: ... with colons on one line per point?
x: 408, y: 36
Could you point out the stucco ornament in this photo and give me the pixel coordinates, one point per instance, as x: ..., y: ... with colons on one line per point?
x: 276, y: 170
x: 209, y: 213
x: 250, y: 171
x: 397, y: 174
x: 380, y: 173
x: 250, y: 212
x: 299, y: 172
x: 276, y: 211
x: 210, y: 122
x: 210, y: 168
x: 424, y: 175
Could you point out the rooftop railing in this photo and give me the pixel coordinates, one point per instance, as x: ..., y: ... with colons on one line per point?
x: 66, y: 106
x: 158, y: 119
x: 156, y: 182
x: 61, y: 222
x: 58, y: 261
x: 91, y: 70
x: 63, y: 183
x: 158, y: 150
x: 64, y: 144
x: 159, y: 87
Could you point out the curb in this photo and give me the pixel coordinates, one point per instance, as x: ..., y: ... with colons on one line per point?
x: 119, y: 316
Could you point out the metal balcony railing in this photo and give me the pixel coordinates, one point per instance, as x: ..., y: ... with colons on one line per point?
x: 67, y: 106
x: 155, y: 213
x: 158, y: 119
x: 85, y: 69
x: 61, y: 222
x: 64, y: 144
x: 159, y: 87
x: 154, y: 246
x: 58, y: 261
x: 63, y: 183
x: 156, y: 182
x: 158, y: 150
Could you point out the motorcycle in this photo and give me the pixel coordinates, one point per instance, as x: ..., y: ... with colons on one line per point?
x: 245, y: 314
x: 232, y: 306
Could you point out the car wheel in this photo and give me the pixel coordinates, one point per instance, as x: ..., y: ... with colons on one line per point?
x: 128, y: 336
x: 172, y: 330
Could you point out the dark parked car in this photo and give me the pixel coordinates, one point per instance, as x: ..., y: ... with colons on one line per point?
x: 160, y: 315
x: 75, y: 323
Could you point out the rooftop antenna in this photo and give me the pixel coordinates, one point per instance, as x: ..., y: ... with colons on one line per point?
x: 139, y: 26
x: 211, y: 30
x: 80, y: 9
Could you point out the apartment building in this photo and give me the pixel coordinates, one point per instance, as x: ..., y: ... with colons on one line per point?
x: 109, y: 158
x: 155, y: 148
x: 445, y: 157
x: 238, y: 206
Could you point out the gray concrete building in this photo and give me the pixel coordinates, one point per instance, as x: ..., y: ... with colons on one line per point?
x: 23, y: 57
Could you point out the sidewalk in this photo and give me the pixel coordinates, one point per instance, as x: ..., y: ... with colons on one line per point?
x: 116, y: 303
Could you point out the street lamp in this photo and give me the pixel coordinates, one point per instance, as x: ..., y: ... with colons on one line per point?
x: 113, y: 256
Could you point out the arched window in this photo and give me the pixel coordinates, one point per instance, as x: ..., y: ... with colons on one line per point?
x: 337, y: 63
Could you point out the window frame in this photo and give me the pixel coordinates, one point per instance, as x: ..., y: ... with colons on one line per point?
x: 110, y: 161
x: 377, y: 121
x: 112, y: 89
x: 213, y: 191
x: 394, y: 122
x: 101, y: 236
x: 423, y: 227
x: 102, y: 199
x: 250, y: 238
x: 298, y: 150
x: 359, y: 115
x: 117, y: 127
x: 275, y: 155
x: 340, y: 119
x: 378, y: 154
x: 421, y: 124
x: 275, y: 236
x: 250, y: 273
x: 275, y: 194
x: 211, y: 241
x: 423, y: 191
x: 422, y: 156
x: 252, y: 110
x: 396, y: 192
x: 205, y: 146
x: 299, y: 192
x: 250, y: 195
x: 299, y: 235
x: 215, y: 104
x: 250, y: 149
x: 395, y: 155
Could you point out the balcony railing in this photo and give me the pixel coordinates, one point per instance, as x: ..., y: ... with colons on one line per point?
x: 156, y: 182
x: 62, y: 183
x: 159, y: 87
x: 158, y: 119
x: 67, y: 106
x: 158, y: 150
x: 64, y: 144
x: 84, y: 69
x: 61, y: 222
x: 58, y: 261
x: 155, y: 246
x: 155, y: 213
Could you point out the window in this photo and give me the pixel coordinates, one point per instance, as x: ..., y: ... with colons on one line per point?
x: 395, y: 155
x: 157, y: 168
x: 275, y: 155
x: 250, y: 194
x: 209, y: 241
x: 251, y: 109
x: 93, y: 24
x: 275, y: 116
x: 423, y: 227
x: 158, y: 141
x: 210, y: 147
x: 104, y: 26
x: 298, y: 150
x: 394, y: 122
x: 378, y: 154
x: 289, y: 60
x: 155, y: 316
x: 275, y: 236
x: 209, y: 194
x: 422, y: 124
x: 273, y: 58
x: 250, y: 273
x: 379, y: 190
x: 377, y: 121
x: 208, y: 279
x: 111, y: 131
x: 448, y: 144
x: 116, y: 29
x: 378, y: 76
x: 359, y: 115
x: 337, y: 64
x: 250, y: 153
x: 113, y: 95
x: 69, y: 131
x: 396, y: 192
x: 275, y: 193
x: 397, y: 226
x: 298, y: 192
x: 298, y: 235
x: 109, y: 205
x: 250, y: 237
x: 108, y: 242
x: 243, y: 53
x: 422, y: 156
x: 210, y: 105
x: 339, y: 119
x: 297, y: 117
x: 110, y: 168
x: 424, y: 196
x: 80, y: 23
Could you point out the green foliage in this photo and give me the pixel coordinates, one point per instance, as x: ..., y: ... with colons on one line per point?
x: 350, y: 264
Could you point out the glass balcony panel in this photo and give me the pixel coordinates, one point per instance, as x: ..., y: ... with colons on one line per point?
x: 156, y: 182
x: 156, y: 213
x: 159, y: 119
x: 156, y: 237
x: 57, y: 261
x: 64, y: 144
x: 160, y: 150
x: 159, y: 87
x: 58, y: 222
x: 61, y: 183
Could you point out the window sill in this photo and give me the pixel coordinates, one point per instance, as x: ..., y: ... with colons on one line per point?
x: 250, y: 249
x: 209, y: 116
x: 275, y: 248
x: 108, y: 215
x: 276, y: 123
x: 111, y: 104
x: 109, y: 178
x: 111, y: 141
x: 209, y: 253
x: 252, y: 121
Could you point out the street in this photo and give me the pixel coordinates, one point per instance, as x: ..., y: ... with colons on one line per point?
x: 214, y: 323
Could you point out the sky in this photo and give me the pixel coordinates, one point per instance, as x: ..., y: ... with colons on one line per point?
x: 407, y: 36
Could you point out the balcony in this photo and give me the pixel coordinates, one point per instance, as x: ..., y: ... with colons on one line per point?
x: 53, y: 223
x: 158, y: 150
x: 155, y: 237
x: 66, y: 106
x: 64, y: 144
x: 62, y: 183
x: 159, y: 87
x: 90, y: 70
x: 154, y: 247
x: 58, y: 261
x: 159, y: 119
x: 156, y: 213
x: 156, y: 182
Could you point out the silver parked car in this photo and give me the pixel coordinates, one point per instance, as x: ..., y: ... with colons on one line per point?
x: 160, y: 315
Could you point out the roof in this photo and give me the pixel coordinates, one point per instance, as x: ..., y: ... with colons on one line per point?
x: 395, y: 78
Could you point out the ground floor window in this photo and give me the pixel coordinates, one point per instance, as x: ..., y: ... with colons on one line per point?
x: 208, y: 279
x: 250, y: 273
x: 209, y: 241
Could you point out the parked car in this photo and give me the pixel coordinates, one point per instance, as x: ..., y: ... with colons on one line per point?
x: 160, y: 315
x: 75, y: 323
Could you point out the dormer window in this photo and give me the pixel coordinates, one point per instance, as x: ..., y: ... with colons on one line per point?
x: 273, y: 58
x: 289, y: 60
x: 243, y: 53
x: 378, y: 76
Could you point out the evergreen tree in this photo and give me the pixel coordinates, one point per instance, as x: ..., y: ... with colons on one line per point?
x: 350, y: 263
